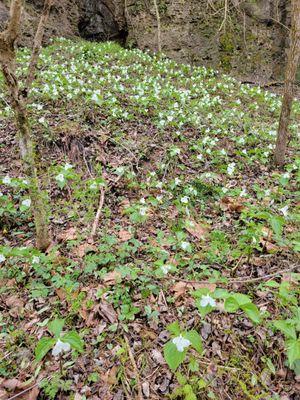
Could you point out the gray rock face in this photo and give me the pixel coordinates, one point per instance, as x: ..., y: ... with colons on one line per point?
x: 97, y: 20
x: 248, y: 38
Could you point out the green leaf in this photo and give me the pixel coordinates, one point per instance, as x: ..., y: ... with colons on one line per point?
x: 172, y: 356
x: 43, y: 346
x: 195, y: 339
x: 277, y: 225
x: 174, y: 328
x: 286, y: 328
x: 252, y: 312
x: 231, y: 305
x: 293, y: 351
x: 241, y: 299
x: 56, y: 327
x: 74, y: 341
x: 203, y: 311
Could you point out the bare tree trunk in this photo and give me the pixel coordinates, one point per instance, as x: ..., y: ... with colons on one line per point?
x: 19, y: 105
x: 158, y: 26
x: 289, y: 86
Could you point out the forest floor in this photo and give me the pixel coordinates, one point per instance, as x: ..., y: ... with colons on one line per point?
x: 190, y: 287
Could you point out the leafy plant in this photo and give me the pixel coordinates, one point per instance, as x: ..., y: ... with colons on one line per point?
x: 60, y: 342
x: 176, y: 349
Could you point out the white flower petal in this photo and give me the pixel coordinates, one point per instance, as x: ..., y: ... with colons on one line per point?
x: 60, y: 347
x: 2, y: 258
x: 181, y: 343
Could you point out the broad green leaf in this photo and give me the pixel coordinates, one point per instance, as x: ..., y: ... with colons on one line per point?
x: 74, y: 341
x: 56, y: 327
x: 220, y: 293
x: 241, y: 299
x: 293, y: 351
x: 43, y: 346
x: 231, y: 305
x: 174, y: 328
x: 195, y: 339
x: 252, y: 312
x: 286, y: 328
x: 172, y: 356
x: 277, y: 225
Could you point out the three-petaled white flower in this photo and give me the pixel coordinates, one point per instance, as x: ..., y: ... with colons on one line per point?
x: 35, y: 260
x: 60, y: 347
x: 230, y: 168
x: 181, y: 343
x: 184, y: 199
x: 68, y: 166
x: 185, y: 245
x: 6, y: 180
x: 60, y: 178
x: 2, y: 258
x: 143, y: 211
x: 166, y: 268
x: 26, y: 203
x: 207, y: 300
x: 284, y: 210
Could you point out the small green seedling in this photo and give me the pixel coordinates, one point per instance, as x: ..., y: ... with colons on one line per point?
x: 176, y: 349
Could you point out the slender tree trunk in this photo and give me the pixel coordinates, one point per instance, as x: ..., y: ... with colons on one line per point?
x: 158, y: 26
x: 19, y: 105
x: 289, y: 86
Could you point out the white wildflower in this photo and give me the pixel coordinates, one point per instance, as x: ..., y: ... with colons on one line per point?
x: 35, y: 260
x: 6, y: 180
x: 181, y: 343
x: 2, y: 258
x: 284, y: 210
x: 143, y: 211
x: 230, y: 168
x: 142, y: 200
x: 200, y: 157
x: 60, y: 178
x: 60, y: 347
x: 207, y: 300
x: 184, y: 200
x: 177, y: 181
x: 68, y: 166
x: 185, y: 245
x: 26, y: 203
x: 166, y: 268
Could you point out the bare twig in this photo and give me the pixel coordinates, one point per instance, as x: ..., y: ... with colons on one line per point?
x: 97, y: 218
x: 37, y: 45
x: 135, y: 368
x: 238, y: 280
x: 158, y: 26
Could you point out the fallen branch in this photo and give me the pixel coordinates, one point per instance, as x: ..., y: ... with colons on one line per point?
x: 135, y: 368
x: 97, y: 218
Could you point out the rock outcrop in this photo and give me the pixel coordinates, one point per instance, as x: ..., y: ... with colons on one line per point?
x: 246, y: 37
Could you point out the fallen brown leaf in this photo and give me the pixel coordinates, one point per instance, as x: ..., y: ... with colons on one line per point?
x: 200, y: 231
x: 124, y: 235
x: 111, y: 278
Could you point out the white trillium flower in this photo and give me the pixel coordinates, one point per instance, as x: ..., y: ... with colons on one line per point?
x: 230, y: 168
x: 207, y: 300
x: 60, y: 178
x: 25, y: 182
x: 68, y: 166
x: 60, y: 347
x: 26, y: 203
x: 143, y: 211
x: 185, y: 245
x: 6, y: 180
x: 284, y: 210
x: 166, y: 268
x: 177, y: 181
x: 2, y: 258
x: 142, y: 200
x: 1, y: 194
x: 35, y: 260
x: 199, y: 157
x: 184, y: 200
x: 181, y: 343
